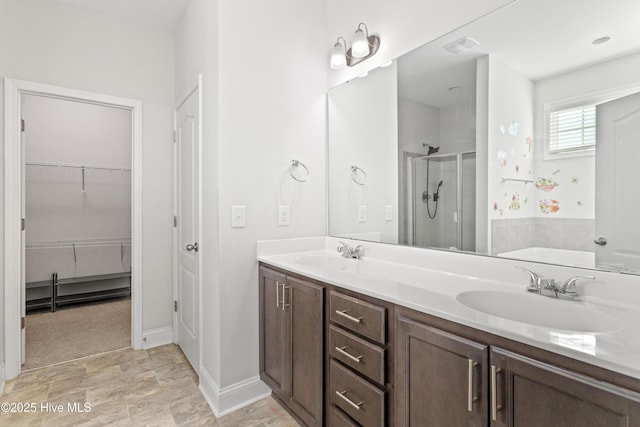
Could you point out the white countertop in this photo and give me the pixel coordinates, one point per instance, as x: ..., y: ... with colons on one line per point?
x: 417, y: 285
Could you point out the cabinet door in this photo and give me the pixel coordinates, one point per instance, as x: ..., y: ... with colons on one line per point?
x: 441, y: 379
x: 531, y: 393
x: 273, y: 332
x: 305, y: 304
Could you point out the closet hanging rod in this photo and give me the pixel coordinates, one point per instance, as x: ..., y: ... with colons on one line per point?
x: 57, y: 165
x: 79, y: 243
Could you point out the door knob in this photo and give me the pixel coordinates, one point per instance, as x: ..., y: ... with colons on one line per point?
x: 193, y: 247
x: 600, y: 241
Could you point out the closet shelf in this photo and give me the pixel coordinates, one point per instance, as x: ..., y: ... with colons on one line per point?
x: 85, y: 167
x: 79, y: 243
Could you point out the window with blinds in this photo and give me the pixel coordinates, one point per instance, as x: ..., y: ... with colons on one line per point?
x: 572, y: 130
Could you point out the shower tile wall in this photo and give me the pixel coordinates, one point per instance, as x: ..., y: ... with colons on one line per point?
x: 558, y: 233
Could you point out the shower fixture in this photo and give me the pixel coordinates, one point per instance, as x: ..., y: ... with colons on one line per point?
x: 432, y: 149
x: 425, y: 194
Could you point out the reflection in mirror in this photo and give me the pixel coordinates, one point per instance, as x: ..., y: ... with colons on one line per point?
x: 500, y: 139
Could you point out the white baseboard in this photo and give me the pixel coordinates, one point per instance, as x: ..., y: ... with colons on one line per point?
x: 1, y: 378
x: 157, y: 337
x: 229, y: 399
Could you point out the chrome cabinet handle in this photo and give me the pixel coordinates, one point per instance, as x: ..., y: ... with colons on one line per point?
x: 193, y: 247
x: 353, y: 404
x: 494, y: 393
x: 471, y: 398
x: 342, y: 350
x: 344, y: 314
x: 278, y: 293
x: 283, y: 300
x: 600, y: 241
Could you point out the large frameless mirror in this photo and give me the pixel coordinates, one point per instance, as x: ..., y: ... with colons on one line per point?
x: 515, y: 136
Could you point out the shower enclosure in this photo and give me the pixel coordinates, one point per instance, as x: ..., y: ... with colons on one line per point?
x: 442, y: 198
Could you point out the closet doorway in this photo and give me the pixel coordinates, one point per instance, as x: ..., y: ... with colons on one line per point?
x: 77, y: 254
x: 77, y: 210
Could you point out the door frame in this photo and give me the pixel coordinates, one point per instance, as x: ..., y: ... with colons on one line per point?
x: 13, y: 164
x: 195, y: 86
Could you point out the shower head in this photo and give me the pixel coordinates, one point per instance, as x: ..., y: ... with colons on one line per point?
x: 432, y: 149
x: 440, y: 184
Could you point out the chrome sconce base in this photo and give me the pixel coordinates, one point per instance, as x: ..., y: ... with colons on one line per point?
x: 364, y: 46
x: 374, y: 45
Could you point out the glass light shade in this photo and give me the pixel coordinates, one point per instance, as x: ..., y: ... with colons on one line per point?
x: 338, y: 58
x: 360, y: 46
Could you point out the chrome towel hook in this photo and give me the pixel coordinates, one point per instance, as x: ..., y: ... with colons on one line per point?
x: 295, y: 164
x: 358, y: 175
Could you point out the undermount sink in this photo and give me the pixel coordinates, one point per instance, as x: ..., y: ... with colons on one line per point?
x: 327, y: 262
x: 540, y: 311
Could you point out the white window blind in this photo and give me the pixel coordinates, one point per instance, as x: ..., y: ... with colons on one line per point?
x: 573, y: 129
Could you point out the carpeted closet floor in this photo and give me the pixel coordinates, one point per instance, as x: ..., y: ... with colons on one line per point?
x: 77, y: 331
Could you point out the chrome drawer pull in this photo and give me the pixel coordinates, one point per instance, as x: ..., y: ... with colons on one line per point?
x: 342, y: 351
x: 344, y: 314
x: 278, y: 294
x: 494, y: 393
x: 471, y: 398
x: 353, y: 404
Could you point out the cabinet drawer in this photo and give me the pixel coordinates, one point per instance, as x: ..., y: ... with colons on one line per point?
x: 357, y: 353
x: 359, y: 399
x: 338, y: 419
x: 359, y: 316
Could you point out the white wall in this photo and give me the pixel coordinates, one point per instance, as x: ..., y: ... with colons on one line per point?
x: 402, y: 25
x: 259, y: 114
x: 363, y: 131
x: 57, y: 209
x: 47, y: 42
x: 511, y: 98
x: 594, y: 80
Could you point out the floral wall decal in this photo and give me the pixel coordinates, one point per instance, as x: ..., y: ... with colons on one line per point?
x: 514, y: 128
x: 502, y: 158
x: 574, y: 179
x: 515, y: 202
x: 546, y: 184
x: 549, y: 206
x: 529, y: 142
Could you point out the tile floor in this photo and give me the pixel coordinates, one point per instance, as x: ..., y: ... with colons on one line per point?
x: 154, y: 387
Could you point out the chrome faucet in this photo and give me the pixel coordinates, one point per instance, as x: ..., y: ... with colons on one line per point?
x: 549, y: 288
x: 349, y: 252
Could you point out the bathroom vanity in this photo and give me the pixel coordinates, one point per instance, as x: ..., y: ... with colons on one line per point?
x: 347, y: 342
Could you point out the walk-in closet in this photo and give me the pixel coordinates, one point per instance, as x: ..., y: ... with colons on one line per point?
x: 77, y: 209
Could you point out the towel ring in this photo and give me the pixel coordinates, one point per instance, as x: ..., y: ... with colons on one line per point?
x: 358, y: 175
x: 296, y: 164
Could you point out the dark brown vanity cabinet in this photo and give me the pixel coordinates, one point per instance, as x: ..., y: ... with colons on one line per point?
x: 292, y: 344
x: 525, y: 392
x: 359, y: 385
x: 353, y: 360
x: 441, y: 379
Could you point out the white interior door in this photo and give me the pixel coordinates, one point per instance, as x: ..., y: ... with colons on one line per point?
x: 617, y: 207
x: 187, y: 225
x: 23, y: 250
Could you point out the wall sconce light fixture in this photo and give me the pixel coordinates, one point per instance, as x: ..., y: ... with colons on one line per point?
x: 364, y: 46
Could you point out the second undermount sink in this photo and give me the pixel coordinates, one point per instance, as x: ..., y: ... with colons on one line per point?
x: 540, y: 311
x: 327, y: 262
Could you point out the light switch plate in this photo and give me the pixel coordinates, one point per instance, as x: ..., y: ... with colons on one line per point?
x: 388, y: 213
x: 283, y: 215
x: 238, y: 216
x: 362, y: 213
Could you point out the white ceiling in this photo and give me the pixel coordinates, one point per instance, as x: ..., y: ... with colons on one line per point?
x: 162, y: 15
x: 539, y: 38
